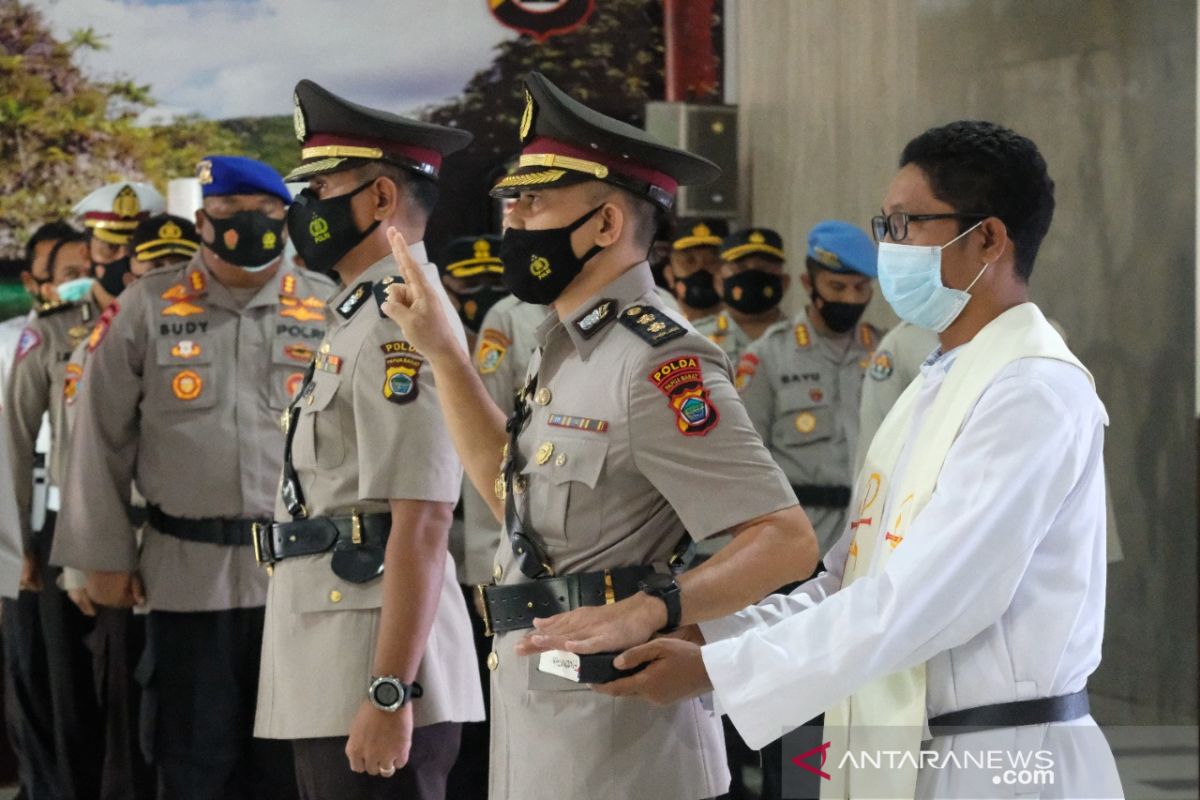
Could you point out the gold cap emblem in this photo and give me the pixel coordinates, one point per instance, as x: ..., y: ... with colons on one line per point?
x: 170, y: 231
x: 757, y: 238
x: 483, y: 249
x: 126, y: 203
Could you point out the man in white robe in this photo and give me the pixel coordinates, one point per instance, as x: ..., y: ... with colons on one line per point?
x: 981, y: 578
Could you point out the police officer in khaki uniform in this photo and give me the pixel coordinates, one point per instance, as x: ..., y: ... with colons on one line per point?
x: 691, y: 271
x: 182, y: 393
x: 501, y: 355
x: 627, y: 432
x: 35, y: 388
x: 802, y: 381
x: 118, y: 638
x: 368, y: 664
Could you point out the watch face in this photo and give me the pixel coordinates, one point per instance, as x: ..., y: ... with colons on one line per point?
x: 387, y: 694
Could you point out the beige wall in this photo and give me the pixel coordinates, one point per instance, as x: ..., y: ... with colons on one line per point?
x: 830, y: 90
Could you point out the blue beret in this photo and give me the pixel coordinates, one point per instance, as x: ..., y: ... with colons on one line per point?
x: 219, y: 175
x: 841, y: 247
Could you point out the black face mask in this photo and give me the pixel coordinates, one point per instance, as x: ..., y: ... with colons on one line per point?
x: 698, y: 291
x: 323, y: 230
x: 474, y: 305
x: 753, y: 291
x: 538, y: 265
x: 113, y: 279
x: 248, y: 239
x: 840, y: 317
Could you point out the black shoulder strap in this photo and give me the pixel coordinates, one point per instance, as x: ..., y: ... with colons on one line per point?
x: 380, y: 290
x: 651, y: 324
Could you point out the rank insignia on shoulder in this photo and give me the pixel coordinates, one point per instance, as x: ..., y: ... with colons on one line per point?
x: 881, y: 366
x: 596, y: 319
x: 681, y: 380
x: 50, y: 309
x: 380, y: 290
x: 651, y: 324
x: 354, y: 300
x: 802, y: 338
x: 400, y: 378
x: 747, y: 366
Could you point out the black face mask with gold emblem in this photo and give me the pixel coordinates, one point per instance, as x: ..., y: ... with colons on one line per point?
x: 474, y: 305
x: 323, y: 229
x: 753, y: 291
x: 539, y: 265
x: 247, y: 239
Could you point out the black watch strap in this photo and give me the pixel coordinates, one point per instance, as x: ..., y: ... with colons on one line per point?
x: 666, y: 589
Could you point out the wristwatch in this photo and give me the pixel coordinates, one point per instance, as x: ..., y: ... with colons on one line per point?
x: 389, y: 693
x: 666, y: 589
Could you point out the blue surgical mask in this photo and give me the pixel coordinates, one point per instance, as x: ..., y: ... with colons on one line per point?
x: 75, y: 291
x: 910, y: 277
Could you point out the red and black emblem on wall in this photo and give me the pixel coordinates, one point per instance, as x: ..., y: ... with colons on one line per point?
x: 542, y: 19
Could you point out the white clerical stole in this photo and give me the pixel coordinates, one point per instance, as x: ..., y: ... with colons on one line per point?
x: 888, y: 714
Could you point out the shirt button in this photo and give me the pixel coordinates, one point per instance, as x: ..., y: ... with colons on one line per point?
x: 493, y: 661
x: 562, y: 459
x: 335, y: 596
x: 497, y: 572
x: 542, y: 398
x: 520, y: 484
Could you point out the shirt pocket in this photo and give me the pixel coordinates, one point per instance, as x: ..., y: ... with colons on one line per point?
x: 315, y: 588
x: 318, y: 443
x: 800, y: 421
x: 289, y: 360
x: 184, y: 376
x: 564, y: 503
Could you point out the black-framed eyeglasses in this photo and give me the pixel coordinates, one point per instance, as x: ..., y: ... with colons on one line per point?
x: 896, y: 223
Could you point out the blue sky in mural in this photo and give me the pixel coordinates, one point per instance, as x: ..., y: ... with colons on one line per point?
x: 233, y: 58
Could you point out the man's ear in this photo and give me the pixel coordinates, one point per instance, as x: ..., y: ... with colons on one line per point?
x: 201, y: 219
x: 806, y: 282
x: 31, y: 286
x: 995, y: 240
x: 787, y: 281
x: 386, y: 195
x: 612, y: 221
x: 719, y: 283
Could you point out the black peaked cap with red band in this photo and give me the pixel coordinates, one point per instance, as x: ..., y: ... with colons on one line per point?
x: 336, y: 134
x: 565, y: 142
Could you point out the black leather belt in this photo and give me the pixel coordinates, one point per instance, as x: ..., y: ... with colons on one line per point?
x: 211, y: 530
x: 1062, y: 708
x: 513, y: 607
x: 824, y: 496
x: 276, y: 541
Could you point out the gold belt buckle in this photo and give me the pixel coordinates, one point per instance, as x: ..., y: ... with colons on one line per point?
x: 481, y: 593
x: 355, y: 527
x: 256, y: 530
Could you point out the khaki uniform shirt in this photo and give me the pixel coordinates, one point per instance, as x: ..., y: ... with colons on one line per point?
x: 35, y: 387
x: 370, y: 430
x: 629, y: 445
x: 182, y: 393
x: 802, y: 391
x: 725, y: 333
x: 507, y: 339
